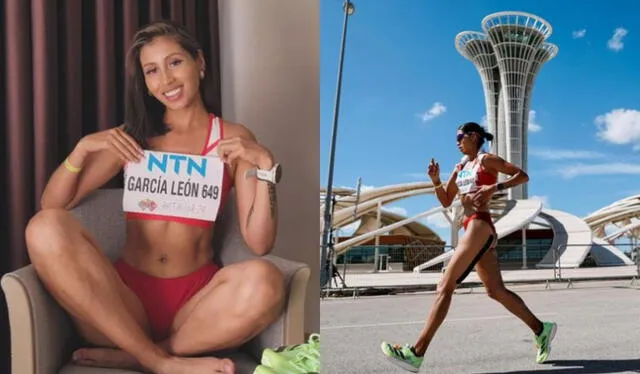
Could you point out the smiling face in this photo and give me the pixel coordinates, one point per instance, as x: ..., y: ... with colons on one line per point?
x: 171, y: 74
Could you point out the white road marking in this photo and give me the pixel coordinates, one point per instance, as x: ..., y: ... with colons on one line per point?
x: 423, y: 321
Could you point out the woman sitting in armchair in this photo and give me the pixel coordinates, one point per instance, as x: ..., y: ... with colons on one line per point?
x: 164, y: 301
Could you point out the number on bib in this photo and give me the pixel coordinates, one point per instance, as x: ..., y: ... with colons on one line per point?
x: 210, y: 192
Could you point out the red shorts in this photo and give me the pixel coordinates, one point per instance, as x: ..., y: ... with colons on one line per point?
x: 484, y: 216
x: 162, y: 298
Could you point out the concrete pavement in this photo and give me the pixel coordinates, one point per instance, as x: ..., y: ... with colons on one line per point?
x: 599, y: 331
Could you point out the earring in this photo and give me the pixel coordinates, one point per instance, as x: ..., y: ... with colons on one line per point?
x: 201, y: 74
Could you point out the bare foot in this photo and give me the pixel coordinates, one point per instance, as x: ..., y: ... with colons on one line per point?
x: 205, y: 365
x: 106, y: 358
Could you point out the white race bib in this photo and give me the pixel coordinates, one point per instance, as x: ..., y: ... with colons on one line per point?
x: 174, y: 184
x: 466, y: 180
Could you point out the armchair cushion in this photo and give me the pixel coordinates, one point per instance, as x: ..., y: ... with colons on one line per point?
x: 43, y: 337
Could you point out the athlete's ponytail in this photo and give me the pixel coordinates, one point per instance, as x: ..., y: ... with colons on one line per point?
x: 471, y: 127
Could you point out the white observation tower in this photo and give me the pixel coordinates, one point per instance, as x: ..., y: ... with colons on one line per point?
x: 508, y: 55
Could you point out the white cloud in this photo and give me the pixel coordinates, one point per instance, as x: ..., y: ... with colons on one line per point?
x: 533, y: 125
x: 563, y: 154
x: 438, y: 220
x: 577, y: 34
x: 437, y: 109
x: 543, y: 199
x: 573, y: 171
x: 397, y: 210
x: 615, y: 43
x: 349, y: 229
x: 365, y: 188
x: 620, y: 126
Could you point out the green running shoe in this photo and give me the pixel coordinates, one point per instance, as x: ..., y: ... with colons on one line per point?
x: 543, y: 341
x: 261, y: 369
x: 294, y: 359
x: 402, y: 356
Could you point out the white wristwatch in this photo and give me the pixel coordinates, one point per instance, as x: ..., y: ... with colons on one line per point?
x: 272, y: 175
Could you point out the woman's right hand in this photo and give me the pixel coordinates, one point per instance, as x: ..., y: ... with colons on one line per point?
x: 114, y: 140
x: 434, y: 170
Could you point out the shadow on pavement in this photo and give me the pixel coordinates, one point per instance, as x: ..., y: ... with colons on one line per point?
x: 583, y: 367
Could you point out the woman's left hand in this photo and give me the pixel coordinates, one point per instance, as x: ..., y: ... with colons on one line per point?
x: 483, y: 195
x: 240, y: 148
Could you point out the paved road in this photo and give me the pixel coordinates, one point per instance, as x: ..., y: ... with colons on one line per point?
x: 599, y: 331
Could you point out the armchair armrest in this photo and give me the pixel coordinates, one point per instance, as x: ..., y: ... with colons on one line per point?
x: 41, y: 332
x: 289, y: 327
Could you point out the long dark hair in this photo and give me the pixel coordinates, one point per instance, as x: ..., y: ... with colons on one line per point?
x: 144, y: 114
x: 471, y: 127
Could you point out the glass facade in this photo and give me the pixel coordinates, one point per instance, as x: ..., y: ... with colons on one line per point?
x: 509, y: 251
x: 365, y: 254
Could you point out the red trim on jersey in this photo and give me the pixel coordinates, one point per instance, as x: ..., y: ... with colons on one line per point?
x: 484, y: 178
x: 206, y: 140
x: 215, y: 144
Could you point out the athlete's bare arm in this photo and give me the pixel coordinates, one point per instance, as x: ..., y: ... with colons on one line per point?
x: 256, y: 200
x: 447, y: 192
x: 452, y: 188
x: 100, y: 156
x: 496, y: 164
x: 499, y: 165
x: 444, y: 193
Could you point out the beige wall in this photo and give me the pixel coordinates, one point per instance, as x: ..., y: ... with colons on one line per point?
x: 270, y: 83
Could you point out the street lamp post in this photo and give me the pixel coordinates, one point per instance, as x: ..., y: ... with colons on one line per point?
x: 325, y: 275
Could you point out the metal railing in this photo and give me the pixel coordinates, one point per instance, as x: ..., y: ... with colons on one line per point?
x: 635, y: 256
x: 398, y: 259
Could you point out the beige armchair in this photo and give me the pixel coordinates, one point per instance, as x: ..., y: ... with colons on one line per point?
x: 42, y: 336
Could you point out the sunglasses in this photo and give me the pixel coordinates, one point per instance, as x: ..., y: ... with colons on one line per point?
x: 460, y: 136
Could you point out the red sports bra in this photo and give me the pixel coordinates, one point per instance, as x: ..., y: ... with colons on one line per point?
x: 214, y: 135
x: 472, y: 175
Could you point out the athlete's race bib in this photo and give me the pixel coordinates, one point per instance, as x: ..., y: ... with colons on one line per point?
x: 174, y: 184
x: 466, y: 180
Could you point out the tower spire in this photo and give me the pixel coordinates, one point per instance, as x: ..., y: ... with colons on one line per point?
x: 508, y: 55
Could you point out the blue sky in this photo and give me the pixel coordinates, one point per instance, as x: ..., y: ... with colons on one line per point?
x: 401, y: 62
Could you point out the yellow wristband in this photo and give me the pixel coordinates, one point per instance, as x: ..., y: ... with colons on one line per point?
x: 438, y: 186
x: 70, y: 167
